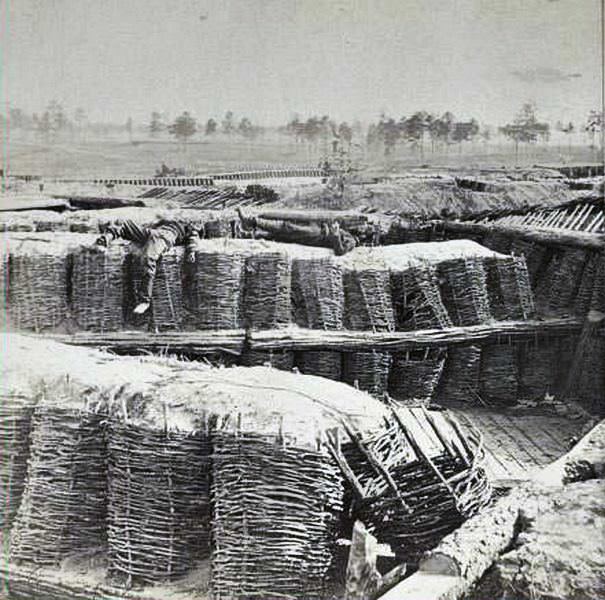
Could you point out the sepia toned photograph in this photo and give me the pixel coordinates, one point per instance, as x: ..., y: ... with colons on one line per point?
x: 302, y: 299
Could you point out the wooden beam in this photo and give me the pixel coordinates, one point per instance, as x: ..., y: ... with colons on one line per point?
x: 549, y: 237
x: 397, y: 341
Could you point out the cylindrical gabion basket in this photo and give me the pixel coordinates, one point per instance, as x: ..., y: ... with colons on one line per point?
x: 461, y: 375
x: 278, y: 359
x: 499, y: 375
x: 369, y: 371
x: 415, y: 376
x: 323, y: 363
x: 509, y: 288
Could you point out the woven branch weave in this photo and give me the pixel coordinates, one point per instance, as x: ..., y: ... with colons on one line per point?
x: 277, y: 511
x: 565, y: 279
x: 509, y: 288
x: 267, y: 291
x: 582, y: 301
x: 368, y: 302
x: 63, y: 508
x: 414, y: 378
x: 98, y: 284
x: 278, y: 359
x: 464, y: 291
x: 214, y: 290
x: 460, y: 379
x: 537, y: 364
x: 15, y: 424
x: 367, y: 370
x: 323, y: 363
x: 417, y: 299
x: 535, y: 256
x: 158, y: 502
x: 499, y: 374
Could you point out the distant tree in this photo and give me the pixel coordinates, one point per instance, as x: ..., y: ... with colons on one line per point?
x: 156, y: 124
x: 245, y: 128
x: 211, y: 127
x: 526, y: 128
x: 485, y: 135
x: 43, y: 126
x: 228, y: 123
x: 594, y: 123
x: 183, y: 128
x: 415, y: 128
x: 568, y: 130
x: 440, y: 129
x: 464, y: 131
x: 17, y: 119
x: 345, y: 133
x: 57, y: 117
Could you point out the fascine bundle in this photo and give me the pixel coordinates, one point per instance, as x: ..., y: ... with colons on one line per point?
x: 461, y: 375
x: 318, y: 303
x: 499, y: 375
x: 411, y: 498
x: 167, y: 309
x: 98, y: 282
x: 214, y: 285
x: 509, y: 288
x: 415, y: 375
x: 417, y: 299
x: 537, y: 368
x: 277, y: 510
x: 63, y: 507
x: 464, y: 290
x: 38, y: 276
x: 159, y: 490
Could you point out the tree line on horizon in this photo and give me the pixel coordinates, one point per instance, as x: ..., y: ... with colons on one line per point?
x: 417, y: 131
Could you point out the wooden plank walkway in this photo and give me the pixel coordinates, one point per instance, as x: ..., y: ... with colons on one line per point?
x: 518, y: 444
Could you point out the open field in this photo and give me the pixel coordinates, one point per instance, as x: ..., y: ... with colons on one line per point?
x: 120, y: 158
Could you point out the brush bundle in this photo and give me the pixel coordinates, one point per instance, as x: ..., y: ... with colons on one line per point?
x: 278, y: 359
x: 63, y: 508
x: 158, y: 502
x: 15, y: 422
x: 317, y: 293
x: 417, y: 299
x: 464, y: 291
x: 37, y: 295
x: 369, y: 371
x: 499, y: 376
x: 415, y: 376
x: 167, y: 309
x: 509, y: 288
x: 214, y: 290
x: 98, y: 284
x: 277, y: 511
x: 537, y: 364
x: 322, y: 363
x: 411, y: 502
x: 461, y: 375
x: 368, y: 303
x: 267, y: 301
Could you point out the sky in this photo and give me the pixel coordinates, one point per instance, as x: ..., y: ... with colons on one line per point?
x: 270, y: 59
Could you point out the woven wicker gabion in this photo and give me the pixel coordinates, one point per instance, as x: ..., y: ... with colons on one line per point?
x: 536, y: 256
x: 37, y: 294
x: 415, y: 376
x: 158, y: 502
x: 369, y: 371
x: 460, y: 378
x: 63, y: 508
x: 368, y: 302
x: 98, y: 281
x: 417, y: 299
x: 582, y: 301
x: 405, y: 502
x: 317, y: 293
x: 537, y: 363
x: 589, y: 388
x: 267, y: 302
x: 3, y: 286
x: 323, y: 363
x: 278, y: 359
x: 167, y: 308
x: 464, y: 291
x: 214, y: 290
x: 597, y: 301
x: 563, y: 280
x: 499, y: 375
x: 277, y: 511
x: 15, y: 423
x: 499, y: 242
x: 509, y: 288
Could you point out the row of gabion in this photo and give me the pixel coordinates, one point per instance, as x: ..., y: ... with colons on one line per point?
x: 495, y: 374
x: 91, y: 289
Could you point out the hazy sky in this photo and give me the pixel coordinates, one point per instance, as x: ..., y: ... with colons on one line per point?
x: 271, y: 58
